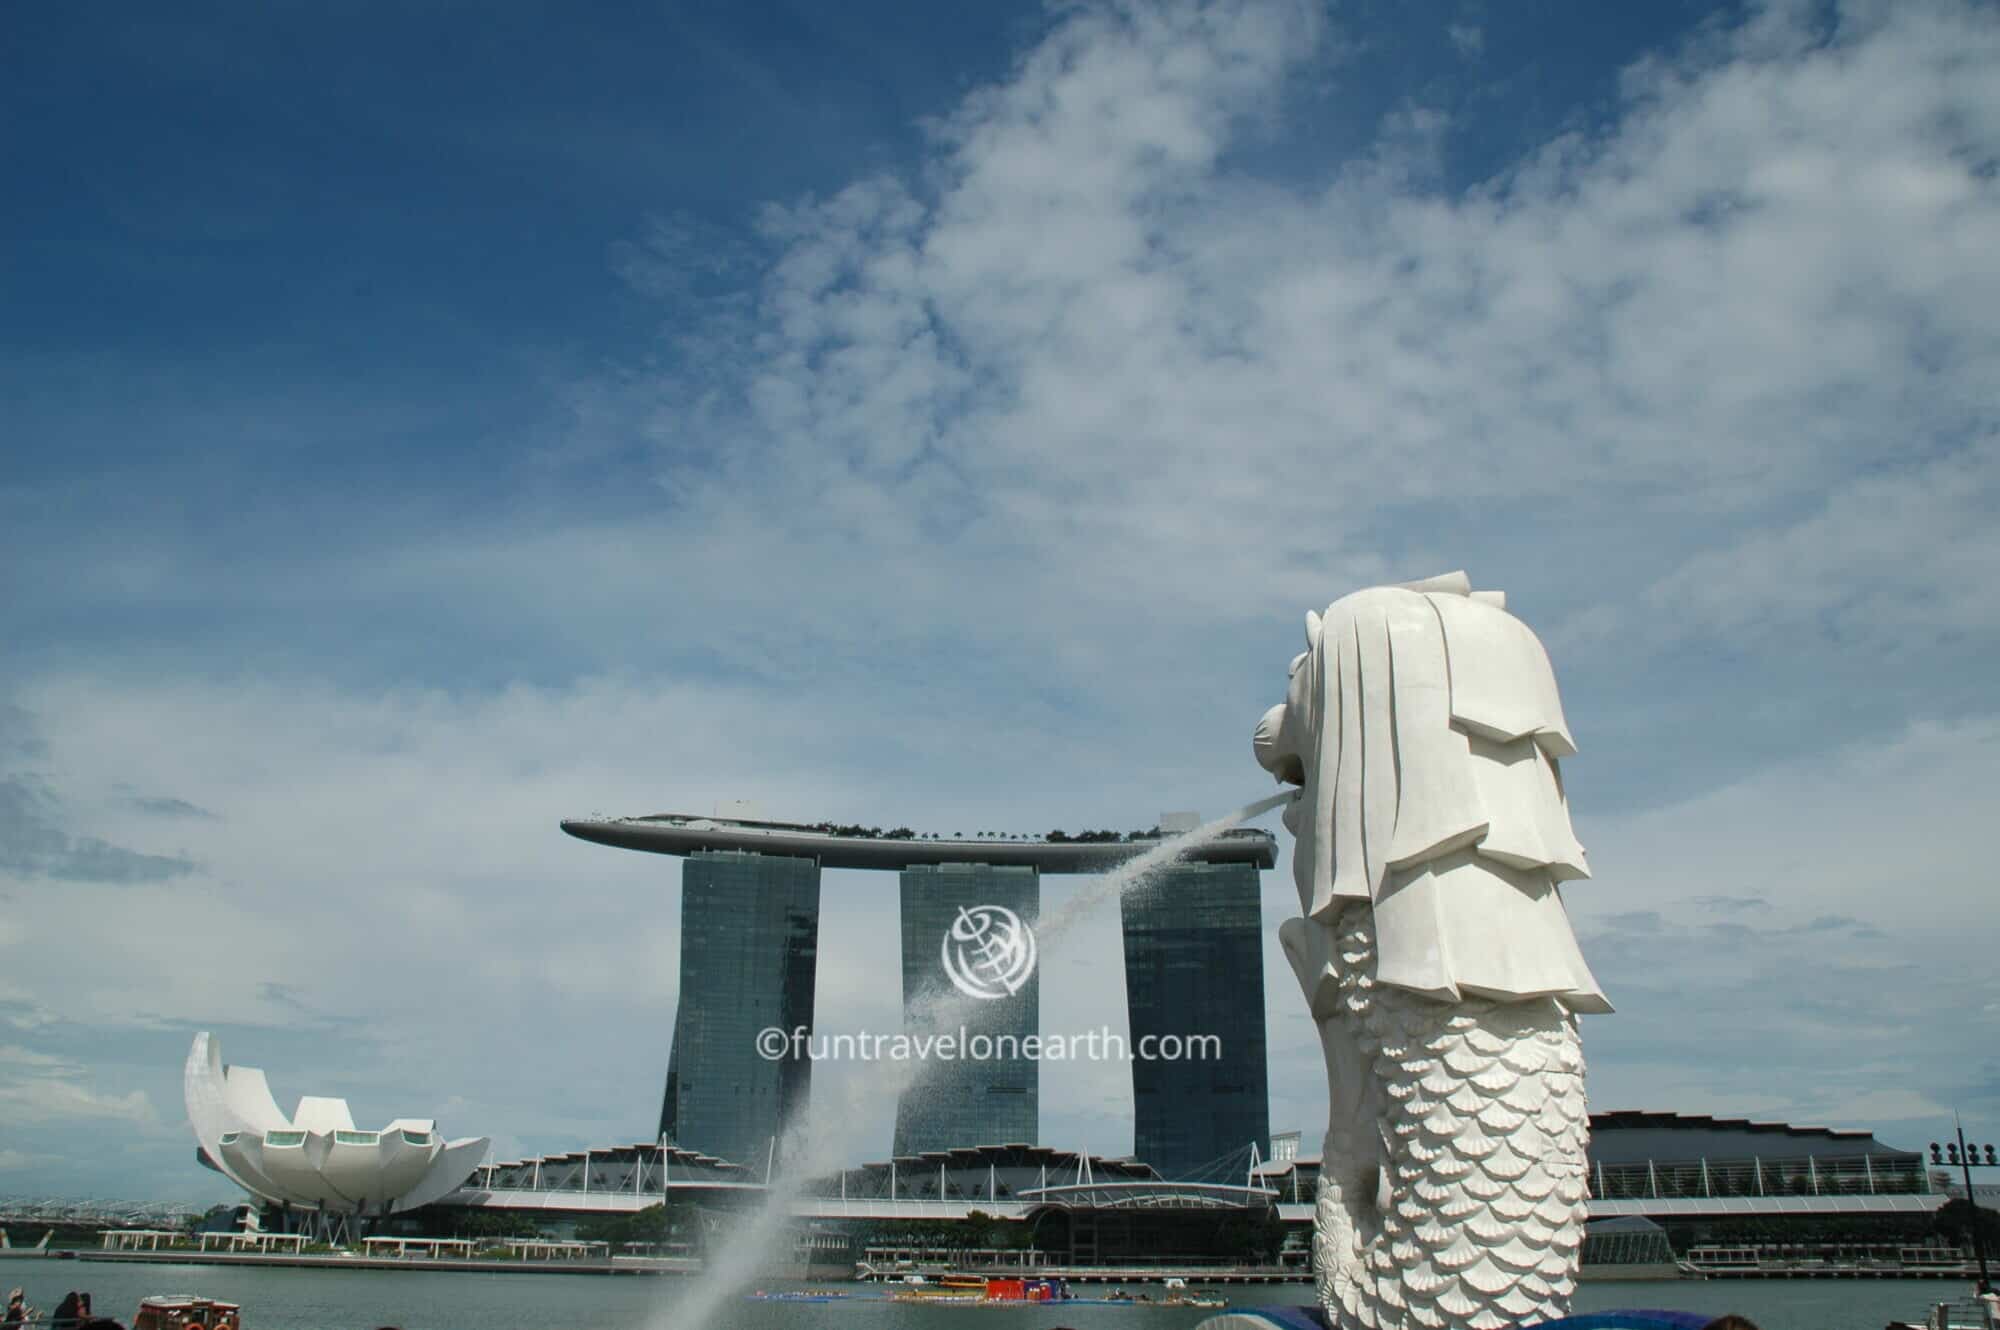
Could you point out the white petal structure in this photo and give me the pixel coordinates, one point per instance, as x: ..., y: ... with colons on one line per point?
x: 316, y: 1159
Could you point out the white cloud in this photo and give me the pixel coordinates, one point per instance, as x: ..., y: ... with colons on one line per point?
x: 1891, y: 560
x: 1089, y: 344
x: 21, y: 1013
x: 1888, y: 1104
x: 34, y: 1099
x: 988, y: 442
x: 1877, y: 830
x: 15, y: 1055
x: 11, y: 1159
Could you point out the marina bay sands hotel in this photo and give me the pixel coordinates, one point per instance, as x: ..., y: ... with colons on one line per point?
x: 750, y: 893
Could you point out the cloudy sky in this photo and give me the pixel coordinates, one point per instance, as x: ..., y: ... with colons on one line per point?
x: 417, y: 426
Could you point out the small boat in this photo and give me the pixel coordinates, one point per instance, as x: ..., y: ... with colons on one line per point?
x: 1180, y: 1295
x: 979, y: 1290
x: 945, y: 1288
x: 186, y: 1311
x: 799, y: 1295
x: 1027, y: 1290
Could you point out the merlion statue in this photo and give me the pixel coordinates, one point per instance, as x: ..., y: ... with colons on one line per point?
x: 1423, y: 728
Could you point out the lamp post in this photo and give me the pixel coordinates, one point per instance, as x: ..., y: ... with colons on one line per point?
x: 1966, y: 1157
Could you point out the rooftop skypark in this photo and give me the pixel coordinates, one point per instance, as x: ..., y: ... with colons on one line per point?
x: 837, y: 845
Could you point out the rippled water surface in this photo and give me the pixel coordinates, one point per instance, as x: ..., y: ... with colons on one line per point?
x: 281, y: 1299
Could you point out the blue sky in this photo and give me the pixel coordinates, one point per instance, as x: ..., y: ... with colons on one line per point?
x: 418, y: 427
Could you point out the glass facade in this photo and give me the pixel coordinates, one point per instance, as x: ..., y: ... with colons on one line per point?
x: 965, y: 1103
x: 749, y: 953
x: 1626, y: 1240
x: 1886, y: 1174
x: 1194, y: 965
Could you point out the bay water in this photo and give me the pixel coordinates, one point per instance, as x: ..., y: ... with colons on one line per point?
x: 307, y: 1299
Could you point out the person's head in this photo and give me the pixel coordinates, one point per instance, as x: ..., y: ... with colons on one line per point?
x: 1731, y: 1321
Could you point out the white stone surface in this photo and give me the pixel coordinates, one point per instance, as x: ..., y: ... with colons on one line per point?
x: 316, y: 1159
x: 1423, y: 725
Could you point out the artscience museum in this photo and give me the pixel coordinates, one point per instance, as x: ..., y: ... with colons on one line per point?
x: 316, y: 1160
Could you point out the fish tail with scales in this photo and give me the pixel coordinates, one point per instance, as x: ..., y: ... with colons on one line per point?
x: 1460, y: 1199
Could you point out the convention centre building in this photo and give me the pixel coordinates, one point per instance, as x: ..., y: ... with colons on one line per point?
x: 1669, y: 1192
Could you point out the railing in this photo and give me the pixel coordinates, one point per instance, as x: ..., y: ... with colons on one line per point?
x: 654, y: 1191
x: 1860, y: 1175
